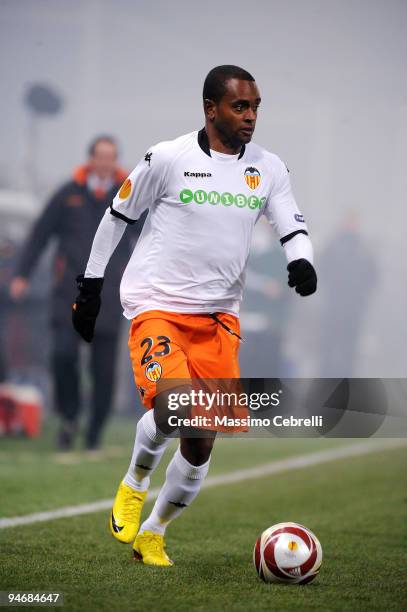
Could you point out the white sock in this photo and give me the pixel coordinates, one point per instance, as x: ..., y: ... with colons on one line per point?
x: 183, y: 483
x: 149, y: 447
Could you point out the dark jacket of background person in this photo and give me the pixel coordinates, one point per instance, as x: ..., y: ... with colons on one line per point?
x: 349, y: 277
x: 71, y: 217
x: 265, y: 308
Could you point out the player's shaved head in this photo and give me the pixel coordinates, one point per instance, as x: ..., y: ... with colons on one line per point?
x: 215, y: 83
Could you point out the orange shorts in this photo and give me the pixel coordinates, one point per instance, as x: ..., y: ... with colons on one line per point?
x: 170, y: 345
x: 168, y: 349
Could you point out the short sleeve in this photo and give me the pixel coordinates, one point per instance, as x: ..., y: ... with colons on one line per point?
x: 281, y: 209
x: 142, y: 188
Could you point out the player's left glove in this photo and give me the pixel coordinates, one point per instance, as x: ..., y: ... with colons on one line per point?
x: 87, y: 305
x: 302, y: 276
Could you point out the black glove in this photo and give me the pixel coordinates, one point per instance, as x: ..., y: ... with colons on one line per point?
x: 87, y: 305
x: 302, y: 276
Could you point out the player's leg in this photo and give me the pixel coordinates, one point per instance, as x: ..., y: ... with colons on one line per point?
x: 184, y: 477
x: 212, y: 353
x: 149, y: 447
x: 153, y: 359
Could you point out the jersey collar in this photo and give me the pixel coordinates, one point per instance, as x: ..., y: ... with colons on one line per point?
x: 204, y: 143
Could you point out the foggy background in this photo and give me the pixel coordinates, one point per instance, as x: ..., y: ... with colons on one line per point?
x: 332, y: 77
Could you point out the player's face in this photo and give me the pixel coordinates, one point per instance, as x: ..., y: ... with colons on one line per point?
x: 234, y: 117
x: 104, y: 159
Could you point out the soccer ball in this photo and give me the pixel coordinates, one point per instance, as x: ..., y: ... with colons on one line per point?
x: 287, y: 552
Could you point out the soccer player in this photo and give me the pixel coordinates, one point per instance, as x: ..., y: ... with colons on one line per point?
x: 183, y: 284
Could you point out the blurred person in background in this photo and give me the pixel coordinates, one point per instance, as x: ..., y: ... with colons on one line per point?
x: 265, y: 308
x: 71, y: 217
x: 349, y: 275
x: 23, y: 326
x: 7, y: 249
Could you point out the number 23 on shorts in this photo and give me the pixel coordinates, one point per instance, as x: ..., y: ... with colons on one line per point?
x: 162, y: 347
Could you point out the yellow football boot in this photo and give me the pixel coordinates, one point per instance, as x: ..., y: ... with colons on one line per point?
x: 125, y: 516
x: 149, y: 547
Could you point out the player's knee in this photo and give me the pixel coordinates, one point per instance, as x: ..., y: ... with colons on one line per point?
x: 164, y: 407
x: 197, y: 450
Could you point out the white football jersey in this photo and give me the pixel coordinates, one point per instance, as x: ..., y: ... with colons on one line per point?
x: 203, y: 205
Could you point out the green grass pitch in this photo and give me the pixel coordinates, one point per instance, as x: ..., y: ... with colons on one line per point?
x: 356, y: 506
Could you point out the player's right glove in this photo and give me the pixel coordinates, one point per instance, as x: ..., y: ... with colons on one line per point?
x: 87, y: 305
x: 302, y: 276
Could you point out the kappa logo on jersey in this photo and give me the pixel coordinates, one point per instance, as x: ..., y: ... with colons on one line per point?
x: 153, y: 371
x: 252, y: 177
x: 299, y: 218
x: 147, y: 158
x: 198, y: 174
x: 125, y: 189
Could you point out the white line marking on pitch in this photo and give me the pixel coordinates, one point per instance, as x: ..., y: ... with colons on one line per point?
x: 259, y: 471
